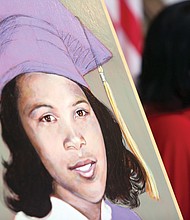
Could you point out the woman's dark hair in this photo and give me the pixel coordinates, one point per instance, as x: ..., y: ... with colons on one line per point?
x: 165, y: 74
x: 27, y: 178
x: 125, y: 176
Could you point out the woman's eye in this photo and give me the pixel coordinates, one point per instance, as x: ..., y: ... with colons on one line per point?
x: 48, y: 118
x: 81, y: 113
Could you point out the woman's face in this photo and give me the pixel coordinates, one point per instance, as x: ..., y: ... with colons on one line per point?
x: 64, y: 130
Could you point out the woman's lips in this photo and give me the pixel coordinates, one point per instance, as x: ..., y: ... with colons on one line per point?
x: 84, y: 168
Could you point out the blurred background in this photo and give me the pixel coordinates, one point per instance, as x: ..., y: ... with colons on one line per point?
x: 131, y: 19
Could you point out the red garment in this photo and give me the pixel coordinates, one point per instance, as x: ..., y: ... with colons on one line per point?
x: 172, y: 135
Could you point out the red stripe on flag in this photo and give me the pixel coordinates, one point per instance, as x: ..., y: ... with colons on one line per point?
x: 131, y: 26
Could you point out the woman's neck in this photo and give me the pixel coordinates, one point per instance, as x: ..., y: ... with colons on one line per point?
x: 90, y: 210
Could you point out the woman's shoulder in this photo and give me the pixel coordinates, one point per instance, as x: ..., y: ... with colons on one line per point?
x: 122, y: 213
x: 180, y: 117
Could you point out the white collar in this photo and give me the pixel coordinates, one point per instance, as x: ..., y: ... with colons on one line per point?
x: 106, y: 212
x: 62, y: 210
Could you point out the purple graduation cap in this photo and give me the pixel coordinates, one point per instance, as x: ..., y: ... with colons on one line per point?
x: 43, y: 36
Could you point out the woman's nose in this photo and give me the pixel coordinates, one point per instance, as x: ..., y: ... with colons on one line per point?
x: 74, y: 141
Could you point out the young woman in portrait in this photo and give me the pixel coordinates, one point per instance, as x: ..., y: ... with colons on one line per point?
x: 68, y: 159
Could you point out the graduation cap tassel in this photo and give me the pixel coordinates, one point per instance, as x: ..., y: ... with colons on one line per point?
x: 151, y: 187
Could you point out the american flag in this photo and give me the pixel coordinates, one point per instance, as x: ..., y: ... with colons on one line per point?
x: 127, y: 18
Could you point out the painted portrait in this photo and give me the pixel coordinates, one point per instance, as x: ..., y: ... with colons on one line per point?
x: 77, y: 140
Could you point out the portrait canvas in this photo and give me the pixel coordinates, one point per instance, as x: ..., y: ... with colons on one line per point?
x: 93, y: 59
